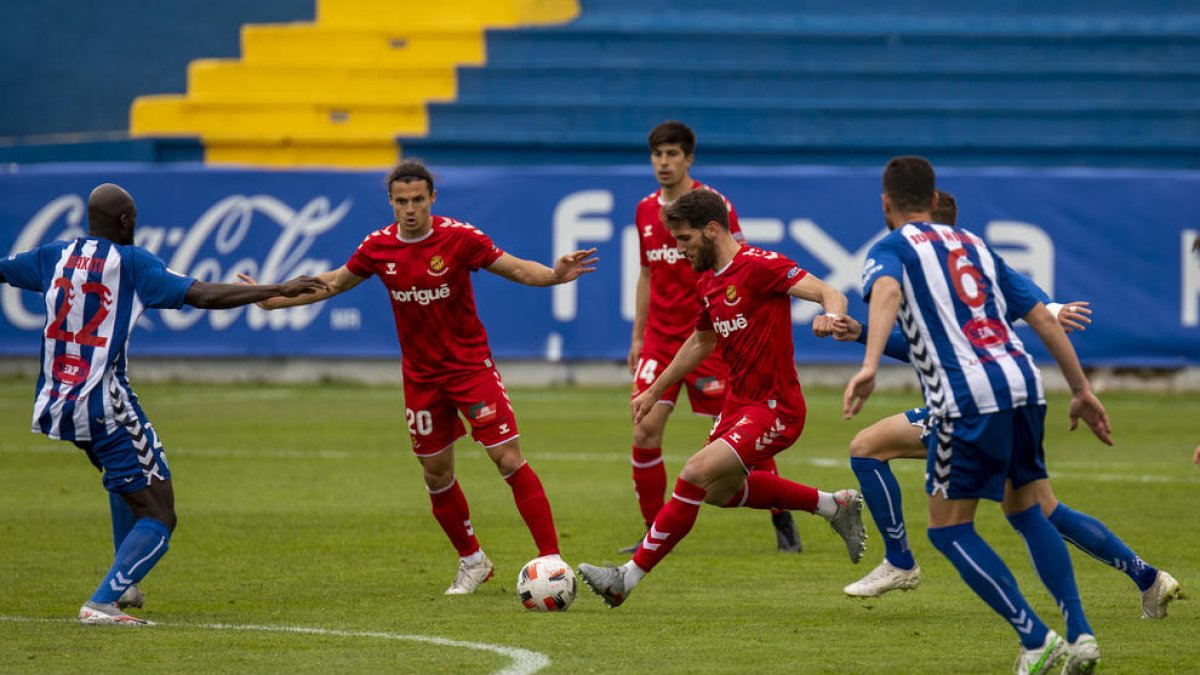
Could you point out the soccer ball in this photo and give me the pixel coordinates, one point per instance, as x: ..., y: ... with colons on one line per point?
x: 546, y: 585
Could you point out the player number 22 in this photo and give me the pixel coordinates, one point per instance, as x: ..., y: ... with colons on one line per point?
x: 86, y: 335
x: 420, y: 423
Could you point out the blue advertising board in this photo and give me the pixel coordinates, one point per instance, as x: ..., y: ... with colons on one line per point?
x: 1118, y: 239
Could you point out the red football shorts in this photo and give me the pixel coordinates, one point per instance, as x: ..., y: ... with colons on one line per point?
x: 756, y: 432
x: 705, y: 385
x: 431, y: 410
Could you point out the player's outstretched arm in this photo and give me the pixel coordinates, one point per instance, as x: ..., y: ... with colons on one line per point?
x: 693, y: 352
x: 1084, y: 403
x: 223, y: 296
x: 529, y: 273
x: 335, y: 282
x: 885, y: 304
x: 832, y: 300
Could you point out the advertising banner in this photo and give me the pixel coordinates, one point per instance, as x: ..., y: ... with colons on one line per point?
x: 1118, y: 239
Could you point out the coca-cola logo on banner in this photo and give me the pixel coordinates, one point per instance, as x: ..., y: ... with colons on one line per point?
x: 257, y: 235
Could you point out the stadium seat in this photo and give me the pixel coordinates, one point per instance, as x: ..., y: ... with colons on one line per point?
x: 336, y: 91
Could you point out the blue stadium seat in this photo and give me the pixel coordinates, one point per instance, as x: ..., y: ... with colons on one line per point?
x: 1107, y: 83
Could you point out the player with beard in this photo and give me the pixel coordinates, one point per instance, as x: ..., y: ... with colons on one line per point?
x: 666, y: 309
x: 746, y: 294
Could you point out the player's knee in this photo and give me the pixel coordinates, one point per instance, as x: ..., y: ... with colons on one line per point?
x: 699, y: 472
x: 862, y: 445
x: 437, y: 478
x: 647, y: 435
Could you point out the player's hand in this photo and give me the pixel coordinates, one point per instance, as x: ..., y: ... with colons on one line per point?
x: 635, y: 352
x: 251, y: 281
x: 1196, y: 457
x: 824, y: 324
x: 846, y: 329
x: 1074, y: 316
x: 857, y: 392
x: 572, y: 265
x: 642, y: 405
x: 302, y: 285
x: 1085, y: 405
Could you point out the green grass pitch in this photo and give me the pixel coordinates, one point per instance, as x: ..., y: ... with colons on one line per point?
x: 301, y: 507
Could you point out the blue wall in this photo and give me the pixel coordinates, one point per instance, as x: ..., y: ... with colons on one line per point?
x: 69, y: 66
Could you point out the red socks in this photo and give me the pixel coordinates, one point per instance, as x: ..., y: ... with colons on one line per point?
x: 649, y: 481
x: 765, y: 490
x: 452, y: 513
x: 535, y: 509
x: 672, y: 524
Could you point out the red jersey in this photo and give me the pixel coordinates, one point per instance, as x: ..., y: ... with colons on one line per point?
x: 673, y: 298
x: 429, y: 282
x: 748, y: 306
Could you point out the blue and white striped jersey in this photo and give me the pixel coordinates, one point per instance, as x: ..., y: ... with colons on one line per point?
x: 94, y: 292
x: 957, y: 295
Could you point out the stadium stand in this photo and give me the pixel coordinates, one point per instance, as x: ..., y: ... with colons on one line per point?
x: 338, y: 91
x: 1012, y: 82
x: 1109, y: 83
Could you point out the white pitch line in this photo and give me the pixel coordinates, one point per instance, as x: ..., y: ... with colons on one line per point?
x: 524, y: 662
x: 589, y: 457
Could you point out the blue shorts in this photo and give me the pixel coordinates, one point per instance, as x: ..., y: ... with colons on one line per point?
x: 129, y: 457
x: 919, y: 417
x: 972, y: 457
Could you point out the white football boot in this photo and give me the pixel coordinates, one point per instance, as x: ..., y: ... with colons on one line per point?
x: 96, y: 614
x: 471, y: 576
x: 886, y: 577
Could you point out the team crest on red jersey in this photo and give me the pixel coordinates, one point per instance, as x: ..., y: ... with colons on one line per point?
x: 437, y: 266
x: 731, y: 295
x: 482, y: 413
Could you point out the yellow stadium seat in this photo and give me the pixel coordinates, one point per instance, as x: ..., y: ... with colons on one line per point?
x: 338, y: 91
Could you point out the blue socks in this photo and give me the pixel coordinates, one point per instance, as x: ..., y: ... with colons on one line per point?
x: 881, y: 492
x: 142, y: 548
x: 1053, y: 565
x: 1095, y: 539
x: 122, y: 519
x: 989, y: 577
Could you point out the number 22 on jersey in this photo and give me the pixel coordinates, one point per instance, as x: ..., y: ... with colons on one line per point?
x: 87, y: 335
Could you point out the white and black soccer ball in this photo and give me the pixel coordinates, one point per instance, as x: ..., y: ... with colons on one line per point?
x: 546, y: 584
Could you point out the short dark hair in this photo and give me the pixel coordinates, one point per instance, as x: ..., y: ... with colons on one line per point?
x: 673, y: 131
x: 408, y: 171
x: 909, y: 183
x: 946, y: 211
x: 695, y: 209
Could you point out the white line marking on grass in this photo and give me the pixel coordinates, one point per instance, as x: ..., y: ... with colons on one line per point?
x: 524, y: 662
x: 589, y: 457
